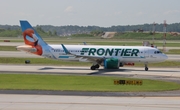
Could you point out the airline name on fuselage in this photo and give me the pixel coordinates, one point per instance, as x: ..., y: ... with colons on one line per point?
x: 109, y: 52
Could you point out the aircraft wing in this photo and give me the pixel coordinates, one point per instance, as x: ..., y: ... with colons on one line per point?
x: 94, y: 58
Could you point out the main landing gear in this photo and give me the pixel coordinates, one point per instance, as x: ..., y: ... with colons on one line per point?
x: 146, y: 67
x: 93, y: 67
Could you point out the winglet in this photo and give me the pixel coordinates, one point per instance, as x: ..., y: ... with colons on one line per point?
x: 65, y: 49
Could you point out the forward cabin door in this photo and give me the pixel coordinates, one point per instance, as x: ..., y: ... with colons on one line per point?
x: 146, y: 53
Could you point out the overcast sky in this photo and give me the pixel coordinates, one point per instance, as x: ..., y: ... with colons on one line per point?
x: 104, y: 13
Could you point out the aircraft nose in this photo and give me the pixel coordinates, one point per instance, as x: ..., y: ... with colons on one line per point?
x: 165, y: 57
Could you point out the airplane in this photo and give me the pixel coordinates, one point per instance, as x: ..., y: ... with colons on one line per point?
x: 109, y: 57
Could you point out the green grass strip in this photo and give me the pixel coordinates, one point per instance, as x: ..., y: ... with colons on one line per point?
x: 41, y: 61
x: 78, y: 83
x: 8, y: 48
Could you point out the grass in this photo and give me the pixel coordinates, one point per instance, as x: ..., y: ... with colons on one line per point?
x: 12, y: 39
x: 8, y: 48
x: 173, y: 51
x: 99, y: 41
x: 41, y: 61
x: 78, y: 83
x: 45, y: 61
x: 145, y: 36
x: 162, y: 64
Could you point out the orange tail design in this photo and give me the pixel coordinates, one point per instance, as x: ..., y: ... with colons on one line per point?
x: 30, y: 33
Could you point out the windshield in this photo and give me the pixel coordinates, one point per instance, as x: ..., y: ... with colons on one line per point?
x: 158, y: 52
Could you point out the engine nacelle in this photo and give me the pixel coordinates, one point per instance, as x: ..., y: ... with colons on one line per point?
x: 111, y: 63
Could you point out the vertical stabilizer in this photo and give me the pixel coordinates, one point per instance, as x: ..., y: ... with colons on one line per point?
x: 31, y: 37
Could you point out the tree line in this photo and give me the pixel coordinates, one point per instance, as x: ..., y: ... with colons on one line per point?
x: 50, y: 30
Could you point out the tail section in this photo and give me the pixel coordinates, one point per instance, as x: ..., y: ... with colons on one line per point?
x: 31, y: 38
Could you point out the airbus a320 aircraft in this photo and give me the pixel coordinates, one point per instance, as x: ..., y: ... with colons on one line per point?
x: 110, y: 57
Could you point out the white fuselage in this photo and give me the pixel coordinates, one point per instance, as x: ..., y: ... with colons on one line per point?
x: 122, y: 53
x: 111, y: 57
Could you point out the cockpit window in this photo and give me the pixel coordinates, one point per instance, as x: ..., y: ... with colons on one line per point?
x: 157, y: 52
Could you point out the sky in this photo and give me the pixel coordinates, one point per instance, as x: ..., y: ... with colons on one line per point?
x: 103, y: 13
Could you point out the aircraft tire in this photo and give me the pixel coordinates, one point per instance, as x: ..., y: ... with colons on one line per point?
x: 146, y: 68
x: 97, y: 66
x: 93, y: 67
x: 27, y: 61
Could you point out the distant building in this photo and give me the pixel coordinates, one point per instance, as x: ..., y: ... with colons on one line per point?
x: 108, y: 34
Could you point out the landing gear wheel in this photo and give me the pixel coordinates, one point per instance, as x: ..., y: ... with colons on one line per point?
x: 146, y: 68
x: 97, y: 66
x: 93, y: 67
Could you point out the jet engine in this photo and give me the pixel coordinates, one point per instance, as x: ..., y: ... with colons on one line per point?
x: 111, y: 63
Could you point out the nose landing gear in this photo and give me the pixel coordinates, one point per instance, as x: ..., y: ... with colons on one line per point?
x: 146, y: 67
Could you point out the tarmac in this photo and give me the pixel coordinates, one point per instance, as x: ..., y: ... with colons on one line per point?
x: 63, y: 102
x: 78, y: 100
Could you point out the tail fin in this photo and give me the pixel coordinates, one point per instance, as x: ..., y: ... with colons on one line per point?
x: 31, y: 37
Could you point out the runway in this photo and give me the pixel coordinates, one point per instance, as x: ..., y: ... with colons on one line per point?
x: 11, y: 43
x: 18, y: 54
x: 123, y: 71
x: 50, y: 102
x: 45, y: 100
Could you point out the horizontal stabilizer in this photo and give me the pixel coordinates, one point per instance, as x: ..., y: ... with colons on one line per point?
x: 26, y: 48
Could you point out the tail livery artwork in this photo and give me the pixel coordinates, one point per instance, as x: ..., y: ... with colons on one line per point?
x: 110, y: 57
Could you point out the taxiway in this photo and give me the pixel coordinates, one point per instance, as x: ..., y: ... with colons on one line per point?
x: 62, y: 100
x: 52, y: 102
x: 124, y: 71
